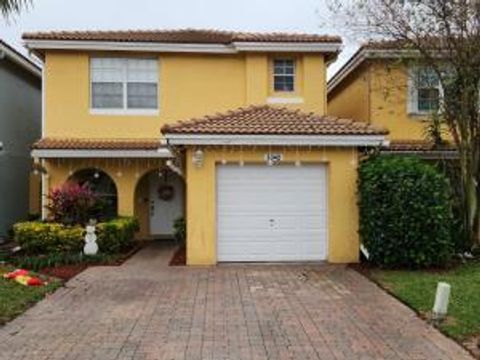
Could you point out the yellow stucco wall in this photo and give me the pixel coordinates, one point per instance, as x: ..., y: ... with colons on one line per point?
x: 350, y: 99
x: 190, y: 85
x: 388, y: 98
x: 343, y: 242
x: 377, y: 92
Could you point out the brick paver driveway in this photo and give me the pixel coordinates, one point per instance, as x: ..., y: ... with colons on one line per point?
x: 146, y: 310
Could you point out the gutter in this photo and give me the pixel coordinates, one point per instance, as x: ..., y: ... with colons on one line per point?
x: 231, y: 48
x: 19, y: 59
x: 277, y: 140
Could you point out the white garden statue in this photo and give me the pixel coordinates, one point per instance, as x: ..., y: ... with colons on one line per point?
x: 91, y: 246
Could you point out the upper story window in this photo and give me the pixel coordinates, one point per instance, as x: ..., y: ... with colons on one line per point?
x: 425, y: 91
x: 121, y: 84
x: 284, y: 75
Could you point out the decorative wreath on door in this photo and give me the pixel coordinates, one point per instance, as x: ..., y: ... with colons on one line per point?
x: 166, y: 192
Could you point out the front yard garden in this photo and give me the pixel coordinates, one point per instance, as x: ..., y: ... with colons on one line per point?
x: 54, y: 248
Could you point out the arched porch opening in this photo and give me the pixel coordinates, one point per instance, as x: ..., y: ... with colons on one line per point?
x: 103, y: 186
x: 159, y: 202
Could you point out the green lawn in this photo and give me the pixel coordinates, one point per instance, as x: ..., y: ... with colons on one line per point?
x: 417, y: 289
x: 16, y: 298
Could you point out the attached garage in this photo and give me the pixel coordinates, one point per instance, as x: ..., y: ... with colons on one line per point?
x: 271, y: 213
x: 271, y: 184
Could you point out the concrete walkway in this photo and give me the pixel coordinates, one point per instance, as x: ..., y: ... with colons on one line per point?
x: 147, y: 310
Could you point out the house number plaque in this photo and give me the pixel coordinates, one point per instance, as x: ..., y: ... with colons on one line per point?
x: 273, y: 159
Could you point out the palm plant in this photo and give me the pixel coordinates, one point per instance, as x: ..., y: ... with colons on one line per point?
x: 9, y: 7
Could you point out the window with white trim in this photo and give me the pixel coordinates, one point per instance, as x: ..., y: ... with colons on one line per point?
x: 124, y: 84
x: 425, y: 91
x: 284, y: 75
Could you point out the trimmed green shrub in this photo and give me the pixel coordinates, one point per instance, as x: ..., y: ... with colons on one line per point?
x: 405, y: 212
x: 48, y: 238
x: 44, y: 238
x: 116, y: 235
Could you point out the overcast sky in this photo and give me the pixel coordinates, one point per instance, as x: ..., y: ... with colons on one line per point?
x: 253, y: 15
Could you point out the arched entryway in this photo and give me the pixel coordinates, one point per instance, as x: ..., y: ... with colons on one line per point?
x: 103, y: 186
x: 159, y: 201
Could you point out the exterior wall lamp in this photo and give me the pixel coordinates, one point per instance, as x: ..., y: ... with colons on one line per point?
x: 198, y: 158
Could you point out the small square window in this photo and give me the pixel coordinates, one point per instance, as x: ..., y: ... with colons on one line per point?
x: 284, y: 75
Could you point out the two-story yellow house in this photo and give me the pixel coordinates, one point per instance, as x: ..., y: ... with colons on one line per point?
x: 226, y: 129
x: 384, y: 84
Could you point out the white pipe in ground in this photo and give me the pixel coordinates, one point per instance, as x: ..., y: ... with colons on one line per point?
x: 442, y: 298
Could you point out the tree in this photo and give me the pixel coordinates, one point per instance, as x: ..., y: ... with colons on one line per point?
x: 444, y: 35
x: 9, y: 7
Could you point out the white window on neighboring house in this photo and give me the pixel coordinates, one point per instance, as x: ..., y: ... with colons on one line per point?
x: 424, y: 91
x: 284, y: 75
x: 121, y: 85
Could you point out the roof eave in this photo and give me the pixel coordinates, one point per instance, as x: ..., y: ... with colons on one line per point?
x: 19, y: 59
x: 40, y: 46
x: 101, y: 153
x: 424, y: 154
x: 370, y: 140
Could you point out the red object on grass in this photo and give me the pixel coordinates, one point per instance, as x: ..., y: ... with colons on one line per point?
x: 33, y: 281
x: 14, y: 274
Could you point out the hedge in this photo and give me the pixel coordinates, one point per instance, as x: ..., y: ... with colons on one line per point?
x: 44, y: 238
x: 116, y: 235
x: 405, y: 212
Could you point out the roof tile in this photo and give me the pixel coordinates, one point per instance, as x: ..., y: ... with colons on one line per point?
x: 268, y: 120
x: 179, y: 36
x: 96, y: 144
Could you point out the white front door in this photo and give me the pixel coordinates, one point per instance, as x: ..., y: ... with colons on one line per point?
x: 163, y: 213
x: 271, y: 213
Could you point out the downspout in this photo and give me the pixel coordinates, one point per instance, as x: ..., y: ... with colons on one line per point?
x: 43, y: 200
x: 369, y: 93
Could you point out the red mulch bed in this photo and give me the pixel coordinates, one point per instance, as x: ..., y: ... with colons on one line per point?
x: 180, y: 257
x: 66, y: 272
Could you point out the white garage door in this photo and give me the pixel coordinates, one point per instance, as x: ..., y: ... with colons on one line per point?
x: 271, y: 213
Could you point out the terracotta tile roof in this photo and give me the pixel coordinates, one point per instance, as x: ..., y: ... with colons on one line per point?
x: 417, y: 146
x: 268, y: 120
x: 385, y: 45
x: 428, y: 42
x: 179, y: 36
x: 96, y: 144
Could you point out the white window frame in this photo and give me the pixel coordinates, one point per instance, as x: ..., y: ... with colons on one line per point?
x: 412, y: 93
x: 294, y: 75
x: 124, y: 110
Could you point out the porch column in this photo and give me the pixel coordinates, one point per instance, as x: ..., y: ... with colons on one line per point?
x: 125, y: 193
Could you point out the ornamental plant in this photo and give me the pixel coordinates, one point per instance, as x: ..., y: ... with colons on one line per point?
x: 72, y: 203
x: 46, y: 238
x: 405, y: 212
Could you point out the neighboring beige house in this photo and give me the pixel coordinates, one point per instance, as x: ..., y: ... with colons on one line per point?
x: 381, y: 86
